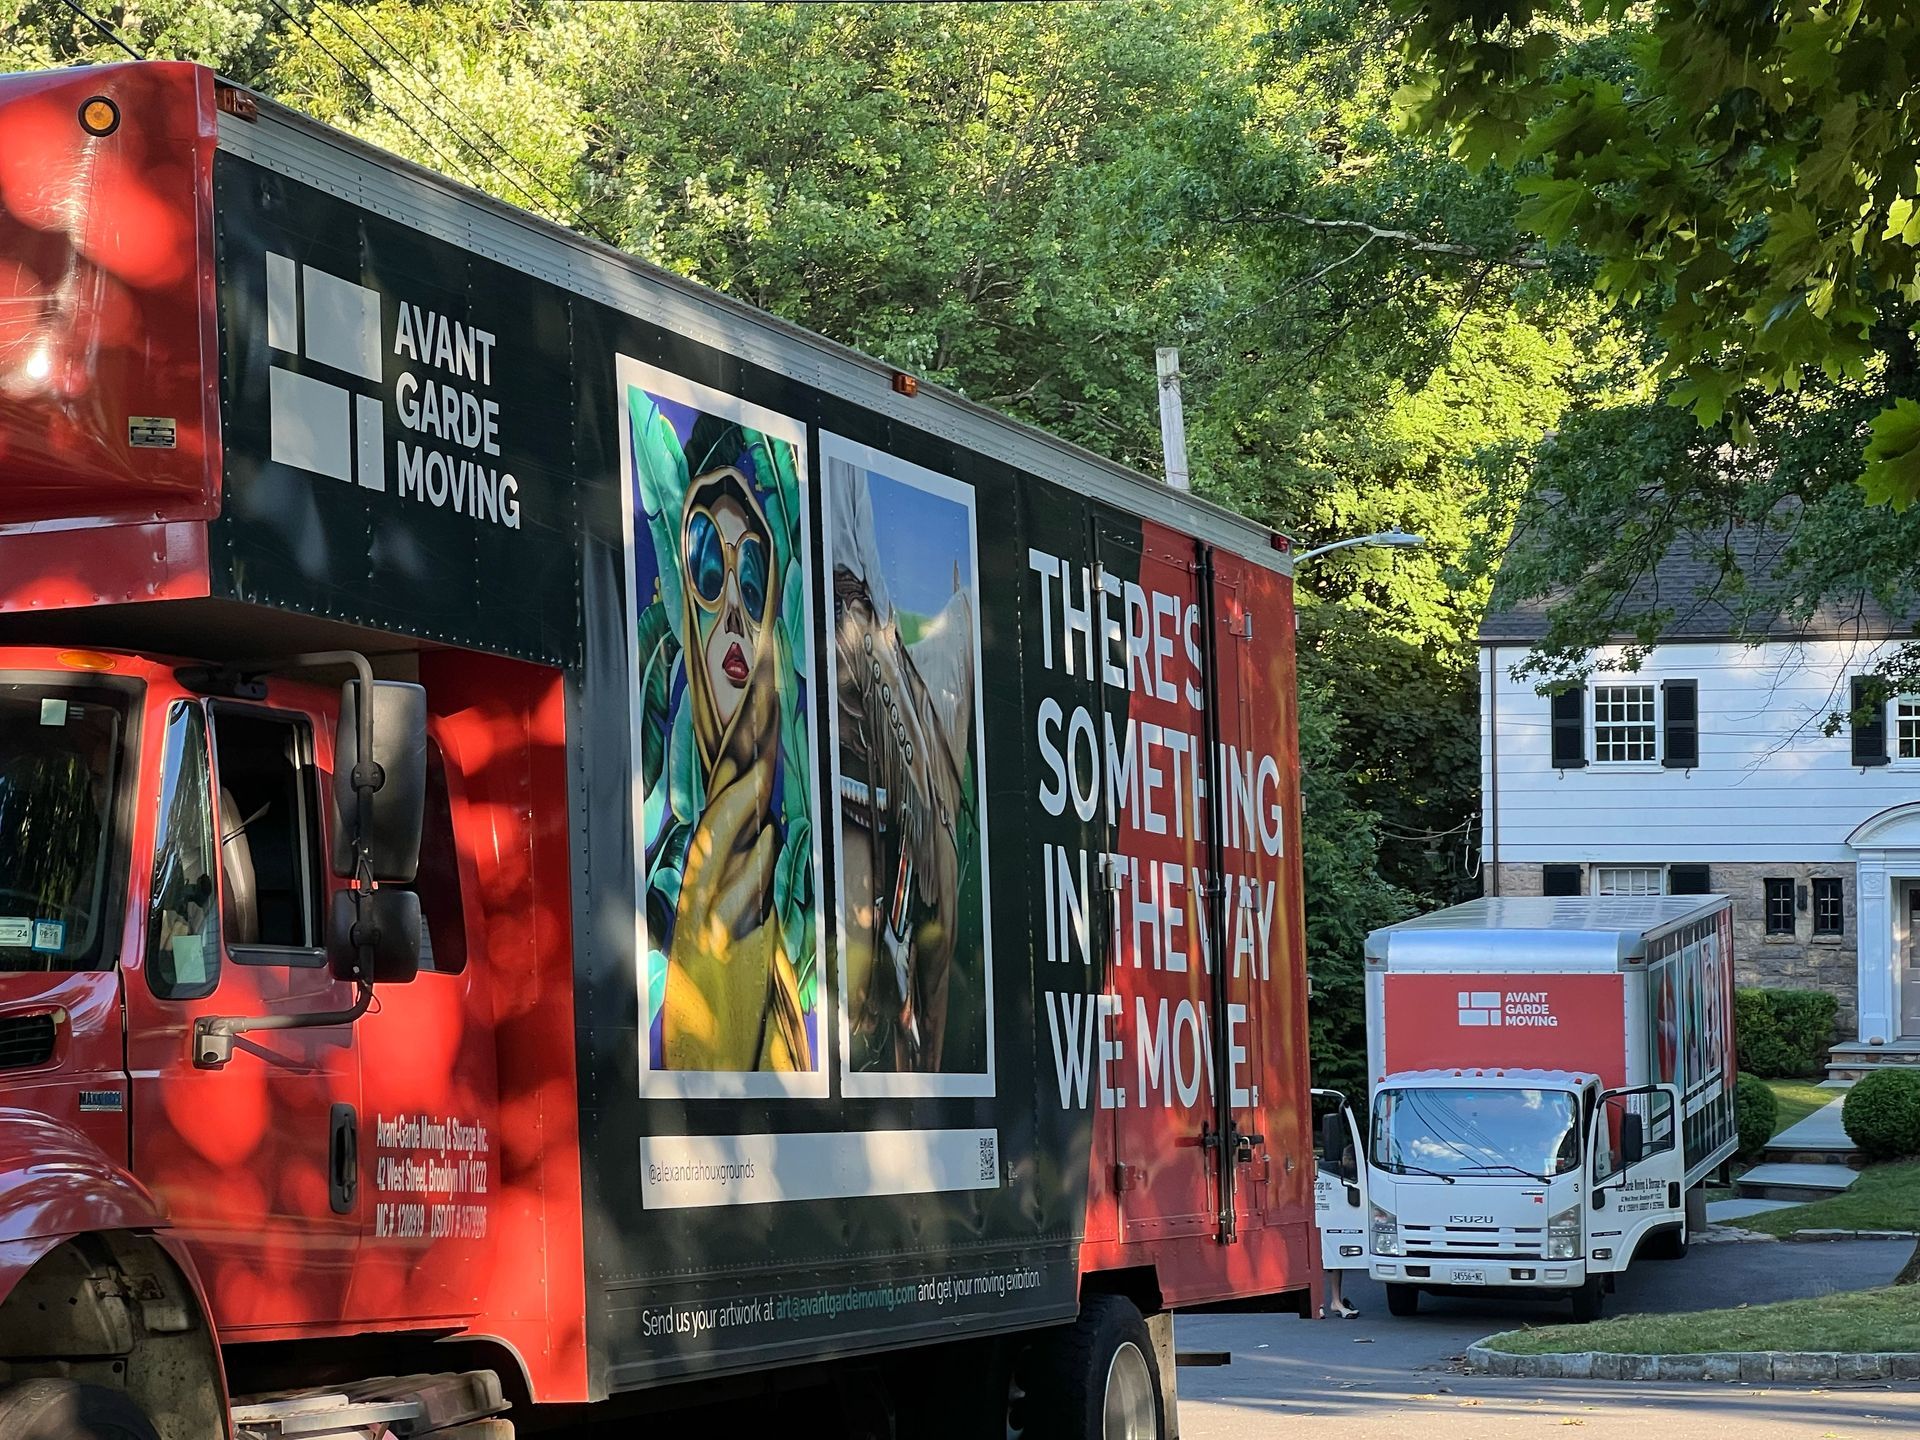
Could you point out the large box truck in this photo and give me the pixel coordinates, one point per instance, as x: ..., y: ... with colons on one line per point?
x: 567, y: 843
x: 1552, y: 1082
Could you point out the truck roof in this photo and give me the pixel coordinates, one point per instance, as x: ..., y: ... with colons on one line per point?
x: 1529, y: 932
x: 1464, y: 1079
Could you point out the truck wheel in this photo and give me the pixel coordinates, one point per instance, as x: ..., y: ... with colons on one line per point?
x: 1589, y: 1301
x: 1403, y: 1300
x: 1668, y: 1244
x: 63, y: 1410
x: 1097, y: 1379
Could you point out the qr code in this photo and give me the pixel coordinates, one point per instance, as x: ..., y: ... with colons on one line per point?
x: 989, y: 1157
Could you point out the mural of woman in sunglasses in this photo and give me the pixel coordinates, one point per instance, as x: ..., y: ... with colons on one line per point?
x: 732, y: 998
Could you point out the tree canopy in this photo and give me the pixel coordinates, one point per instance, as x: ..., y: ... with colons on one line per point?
x: 1023, y: 202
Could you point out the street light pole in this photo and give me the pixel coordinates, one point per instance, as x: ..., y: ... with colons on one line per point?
x: 1383, y: 540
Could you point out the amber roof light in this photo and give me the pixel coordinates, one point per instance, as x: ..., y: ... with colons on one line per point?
x: 99, y: 115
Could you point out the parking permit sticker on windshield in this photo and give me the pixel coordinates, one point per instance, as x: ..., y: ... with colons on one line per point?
x: 49, y: 936
x: 53, y: 712
x: 16, y: 932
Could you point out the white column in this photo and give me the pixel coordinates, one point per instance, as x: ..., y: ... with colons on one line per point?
x: 1878, y: 1016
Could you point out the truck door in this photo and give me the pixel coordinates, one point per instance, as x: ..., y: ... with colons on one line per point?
x: 1638, y: 1169
x: 1245, y: 853
x: 1165, y: 1141
x: 258, y: 1160
x: 1339, y: 1183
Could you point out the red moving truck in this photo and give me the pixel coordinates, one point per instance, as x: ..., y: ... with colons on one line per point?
x: 1553, y: 1081
x: 566, y: 842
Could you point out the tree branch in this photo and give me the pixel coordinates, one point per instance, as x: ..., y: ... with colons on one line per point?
x: 1518, y: 259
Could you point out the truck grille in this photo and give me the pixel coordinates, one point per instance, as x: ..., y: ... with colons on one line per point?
x: 1488, y: 1242
x: 25, y: 1040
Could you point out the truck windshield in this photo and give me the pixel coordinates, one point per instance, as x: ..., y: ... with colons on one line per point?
x: 1457, y: 1132
x: 60, y: 758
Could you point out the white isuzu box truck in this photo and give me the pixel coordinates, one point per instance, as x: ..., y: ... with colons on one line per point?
x: 1552, y: 1082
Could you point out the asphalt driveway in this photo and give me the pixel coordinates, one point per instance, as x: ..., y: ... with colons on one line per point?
x: 1376, y: 1376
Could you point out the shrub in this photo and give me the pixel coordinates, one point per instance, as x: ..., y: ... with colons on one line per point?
x: 1882, y: 1113
x: 1783, y: 1033
x: 1756, y: 1110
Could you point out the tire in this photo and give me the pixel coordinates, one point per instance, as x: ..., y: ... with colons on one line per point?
x: 1097, y: 1379
x: 1589, y: 1301
x: 1403, y: 1300
x: 63, y: 1410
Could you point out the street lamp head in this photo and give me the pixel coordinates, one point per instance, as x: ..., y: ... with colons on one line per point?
x: 1385, y: 539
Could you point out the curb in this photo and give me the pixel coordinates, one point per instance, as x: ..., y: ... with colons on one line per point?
x: 1727, y: 1233
x: 1763, y: 1367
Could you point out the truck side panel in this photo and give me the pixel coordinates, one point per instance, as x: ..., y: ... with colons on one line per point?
x: 847, y: 811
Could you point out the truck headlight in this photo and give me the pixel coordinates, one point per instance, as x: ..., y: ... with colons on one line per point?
x: 1384, y: 1231
x: 1563, y: 1234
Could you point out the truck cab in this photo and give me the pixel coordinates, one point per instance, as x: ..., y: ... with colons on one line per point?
x: 1541, y: 1181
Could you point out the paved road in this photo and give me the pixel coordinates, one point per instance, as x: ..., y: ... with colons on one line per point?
x: 1377, y: 1378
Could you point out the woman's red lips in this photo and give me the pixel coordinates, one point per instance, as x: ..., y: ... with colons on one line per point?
x: 735, y: 665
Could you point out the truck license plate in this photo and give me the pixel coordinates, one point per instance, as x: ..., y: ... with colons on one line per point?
x: 1469, y: 1277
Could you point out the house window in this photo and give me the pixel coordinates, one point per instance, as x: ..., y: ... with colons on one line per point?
x: 1559, y: 879
x: 1829, y: 917
x: 1623, y: 725
x: 1627, y: 880
x: 1689, y: 880
x: 1779, y: 907
x: 1906, y: 727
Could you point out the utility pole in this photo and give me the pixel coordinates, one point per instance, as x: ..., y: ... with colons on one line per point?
x: 1173, y: 422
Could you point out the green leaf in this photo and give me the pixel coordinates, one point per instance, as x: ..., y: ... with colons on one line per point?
x: 1892, y: 473
x: 1554, y: 207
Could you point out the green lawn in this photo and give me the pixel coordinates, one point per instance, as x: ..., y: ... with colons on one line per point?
x: 1885, y: 1197
x: 1798, y: 1099
x: 1861, y: 1320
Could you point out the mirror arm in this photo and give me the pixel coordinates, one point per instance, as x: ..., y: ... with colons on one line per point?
x: 214, y: 1035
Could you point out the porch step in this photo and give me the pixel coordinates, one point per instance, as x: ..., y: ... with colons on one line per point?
x: 1817, y: 1139
x: 1795, y: 1182
x: 1727, y: 1212
x: 1855, y: 1060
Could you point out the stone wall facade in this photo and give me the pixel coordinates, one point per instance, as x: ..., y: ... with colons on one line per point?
x: 1800, y: 961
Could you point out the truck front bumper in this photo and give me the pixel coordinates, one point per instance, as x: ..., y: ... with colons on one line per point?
x: 1464, y: 1274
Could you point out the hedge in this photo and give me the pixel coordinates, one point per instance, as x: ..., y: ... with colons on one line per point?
x: 1756, y: 1110
x: 1783, y: 1033
x: 1882, y: 1113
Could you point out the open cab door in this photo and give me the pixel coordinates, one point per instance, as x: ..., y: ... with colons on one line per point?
x: 1339, y: 1183
x: 1639, y: 1174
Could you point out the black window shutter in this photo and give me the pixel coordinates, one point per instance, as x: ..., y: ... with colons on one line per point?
x: 1682, y: 705
x: 1689, y: 880
x: 1870, y: 734
x: 1570, y: 728
x: 1559, y: 879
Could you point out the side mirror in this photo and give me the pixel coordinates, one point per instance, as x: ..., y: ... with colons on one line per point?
x: 389, y: 935
x: 1633, y: 1140
x: 1333, y: 1139
x: 397, y: 807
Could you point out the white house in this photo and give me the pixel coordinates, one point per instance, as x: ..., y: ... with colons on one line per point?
x: 1707, y: 770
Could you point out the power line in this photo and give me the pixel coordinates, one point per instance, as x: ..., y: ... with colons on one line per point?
x: 102, y: 26
x: 413, y: 63
x: 381, y: 66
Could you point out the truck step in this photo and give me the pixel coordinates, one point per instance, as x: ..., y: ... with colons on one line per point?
x: 447, y: 1407
x: 1795, y: 1182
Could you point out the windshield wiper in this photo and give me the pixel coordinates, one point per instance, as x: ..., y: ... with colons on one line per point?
x: 1511, y: 1169
x: 1402, y: 1168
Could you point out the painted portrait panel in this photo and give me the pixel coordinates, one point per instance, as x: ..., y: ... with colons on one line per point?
x: 909, y: 765
x: 725, y: 814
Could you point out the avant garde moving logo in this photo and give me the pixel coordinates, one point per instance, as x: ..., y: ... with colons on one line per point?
x: 340, y: 432
x: 1526, y: 1009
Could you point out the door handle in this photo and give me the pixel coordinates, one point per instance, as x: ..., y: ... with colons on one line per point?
x: 343, y: 1160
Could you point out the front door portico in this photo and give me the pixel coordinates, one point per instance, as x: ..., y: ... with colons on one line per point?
x: 1887, y: 871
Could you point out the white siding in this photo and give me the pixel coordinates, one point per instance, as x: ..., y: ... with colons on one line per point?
x: 1769, y: 786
